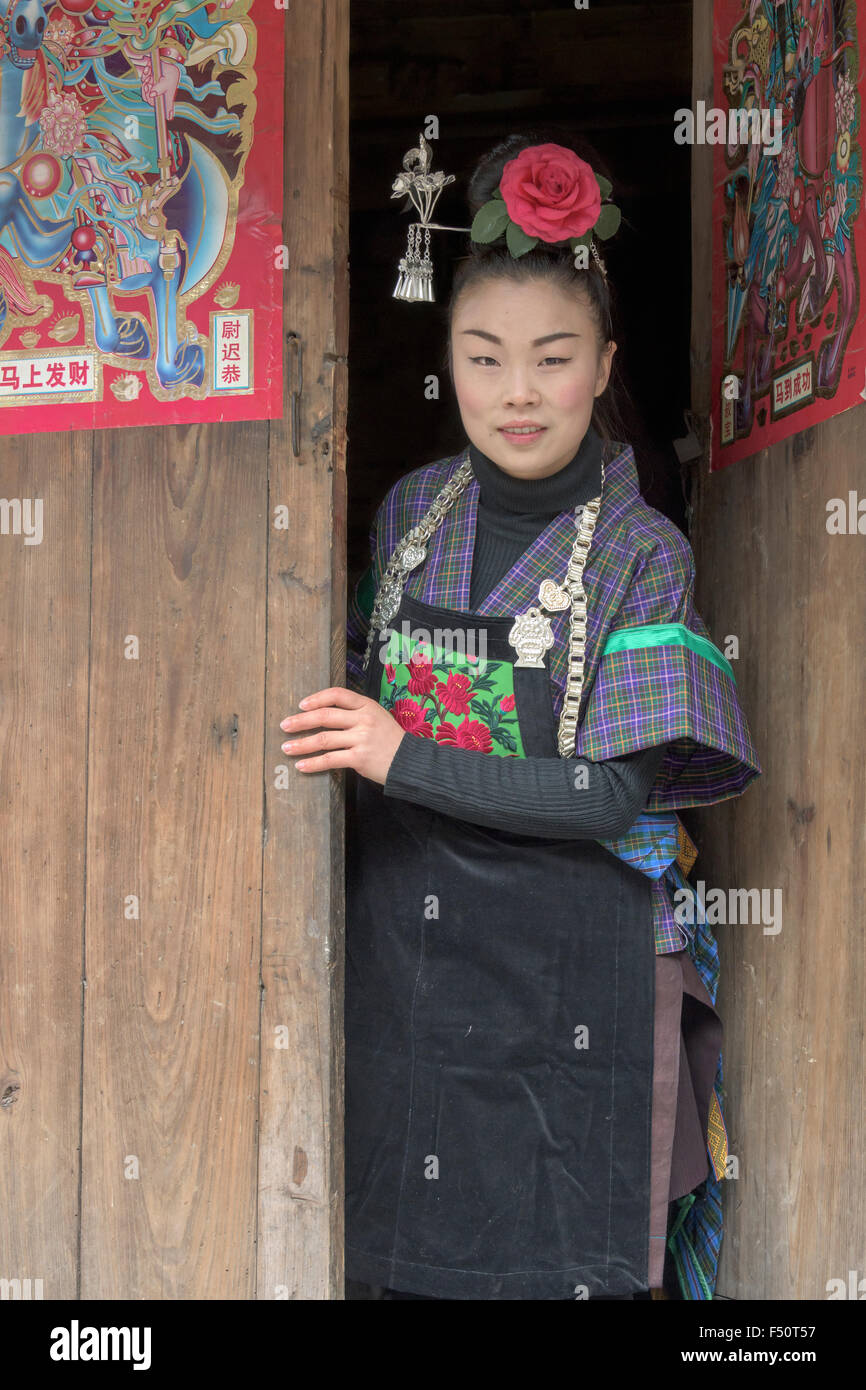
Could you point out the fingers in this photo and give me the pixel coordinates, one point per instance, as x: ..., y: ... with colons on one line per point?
x: 316, y: 742
x: 335, y: 708
x: 326, y: 761
x: 334, y: 695
x: 329, y: 718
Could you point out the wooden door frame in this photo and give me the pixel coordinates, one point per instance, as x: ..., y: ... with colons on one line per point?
x: 300, y: 1187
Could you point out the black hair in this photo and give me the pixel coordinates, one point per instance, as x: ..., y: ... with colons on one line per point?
x: 553, y: 261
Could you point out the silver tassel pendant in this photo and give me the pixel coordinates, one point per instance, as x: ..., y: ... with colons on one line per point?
x: 423, y: 187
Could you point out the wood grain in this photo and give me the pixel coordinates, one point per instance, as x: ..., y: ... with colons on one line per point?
x: 171, y: 911
x: 44, y: 635
x: 769, y: 573
x: 171, y: 1035
x: 792, y: 1002
x: 301, y: 1112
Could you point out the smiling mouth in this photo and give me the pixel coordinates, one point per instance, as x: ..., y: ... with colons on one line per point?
x: 22, y: 57
x: 520, y: 431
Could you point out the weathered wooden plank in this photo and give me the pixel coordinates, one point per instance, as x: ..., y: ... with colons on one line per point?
x: 792, y: 1001
x: 771, y: 575
x: 702, y: 220
x: 301, y: 1109
x: 44, y: 632
x: 171, y: 1037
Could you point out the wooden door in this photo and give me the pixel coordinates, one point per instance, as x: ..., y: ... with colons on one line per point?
x: 770, y: 574
x: 171, y: 891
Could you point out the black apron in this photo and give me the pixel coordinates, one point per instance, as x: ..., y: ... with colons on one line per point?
x: 499, y: 1039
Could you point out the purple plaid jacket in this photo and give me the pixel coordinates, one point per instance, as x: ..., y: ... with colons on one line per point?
x: 674, y: 687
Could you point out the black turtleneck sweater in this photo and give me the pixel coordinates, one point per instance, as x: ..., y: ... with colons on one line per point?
x: 512, y: 512
x: 529, y: 796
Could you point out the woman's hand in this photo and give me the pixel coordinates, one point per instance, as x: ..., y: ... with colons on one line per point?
x: 355, y: 730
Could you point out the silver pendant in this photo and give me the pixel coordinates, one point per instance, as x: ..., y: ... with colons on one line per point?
x: 531, y: 636
x: 389, y: 601
x: 413, y: 555
x: 552, y: 596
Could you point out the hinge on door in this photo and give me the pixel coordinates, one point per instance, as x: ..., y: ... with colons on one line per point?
x: 296, y: 383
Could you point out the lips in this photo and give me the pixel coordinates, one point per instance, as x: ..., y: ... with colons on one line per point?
x: 522, y: 430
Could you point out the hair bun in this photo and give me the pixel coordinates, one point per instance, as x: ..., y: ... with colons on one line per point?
x: 488, y: 171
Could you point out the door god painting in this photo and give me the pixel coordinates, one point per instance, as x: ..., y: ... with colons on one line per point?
x: 789, y: 336
x: 140, y: 212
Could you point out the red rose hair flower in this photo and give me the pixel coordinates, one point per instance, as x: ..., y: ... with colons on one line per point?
x: 550, y: 192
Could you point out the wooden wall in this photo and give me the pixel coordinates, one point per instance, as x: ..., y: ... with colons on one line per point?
x: 155, y: 1140
x: 792, y: 1002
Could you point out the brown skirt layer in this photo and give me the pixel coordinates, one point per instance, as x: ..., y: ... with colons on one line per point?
x: 686, y: 1047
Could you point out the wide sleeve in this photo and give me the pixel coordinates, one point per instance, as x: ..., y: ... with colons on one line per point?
x: 661, y: 680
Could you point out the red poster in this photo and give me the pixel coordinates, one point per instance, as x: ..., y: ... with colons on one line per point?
x: 141, y: 197
x: 789, y: 336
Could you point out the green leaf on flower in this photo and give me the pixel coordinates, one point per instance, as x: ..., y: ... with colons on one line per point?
x: 489, y: 221
x: 497, y: 192
x: 483, y: 708
x: 605, y: 185
x: 486, y: 682
x: 517, y: 241
x: 505, y: 738
x: 608, y: 221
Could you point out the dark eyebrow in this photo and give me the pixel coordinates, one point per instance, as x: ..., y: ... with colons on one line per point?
x: 536, y: 342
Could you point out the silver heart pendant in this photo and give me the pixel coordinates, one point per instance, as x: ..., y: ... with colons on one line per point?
x: 552, y: 596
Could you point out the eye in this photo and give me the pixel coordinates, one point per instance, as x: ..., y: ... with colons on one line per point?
x: 557, y: 359
x: 482, y: 359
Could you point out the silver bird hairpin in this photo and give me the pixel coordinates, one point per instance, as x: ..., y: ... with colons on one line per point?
x: 415, y: 282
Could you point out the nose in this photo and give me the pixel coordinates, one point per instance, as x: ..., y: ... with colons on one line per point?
x: 519, y: 389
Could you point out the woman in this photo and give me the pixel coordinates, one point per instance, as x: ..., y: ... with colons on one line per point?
x: 532, y: 1048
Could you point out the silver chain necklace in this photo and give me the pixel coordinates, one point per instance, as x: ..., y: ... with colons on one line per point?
x: 532, y: 635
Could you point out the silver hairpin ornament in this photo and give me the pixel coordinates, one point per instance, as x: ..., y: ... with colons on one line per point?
x: 415, y: 281
x: 597, y: 258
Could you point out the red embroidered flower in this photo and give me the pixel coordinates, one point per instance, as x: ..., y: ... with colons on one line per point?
x: 454, y: 694
x: 470, y: 734
x: 551, y: 192
x: 421, y: 677
x: 389, y: 673
x: 411, y: 718
x: 506, y: 704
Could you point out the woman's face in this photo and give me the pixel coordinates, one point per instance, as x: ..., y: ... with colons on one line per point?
x: 526, y: 355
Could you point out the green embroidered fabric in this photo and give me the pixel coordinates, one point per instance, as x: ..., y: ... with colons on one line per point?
x: 452, y: 696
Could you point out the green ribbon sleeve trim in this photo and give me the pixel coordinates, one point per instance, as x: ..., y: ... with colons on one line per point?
x: 667, y: 635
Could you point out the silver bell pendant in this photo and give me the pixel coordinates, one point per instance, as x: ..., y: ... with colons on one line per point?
x: 415, y: 281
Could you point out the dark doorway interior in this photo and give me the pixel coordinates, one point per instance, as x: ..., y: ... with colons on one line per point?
x: 614, y: 74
